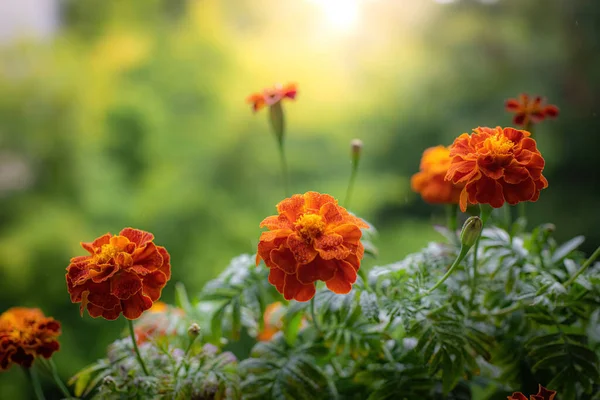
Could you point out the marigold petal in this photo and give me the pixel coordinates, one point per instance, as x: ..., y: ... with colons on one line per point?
x: 522, y: 191
x: 294, y: 289
x: 512, y: 105
x: 516, y: 174
x: 134, y: 306
x: 109, y: 314
x: 100, y: 295
x: 166, y: 265
x: 344, y: 277
x: 318, y: 269
x: 147, y: 257
x: 292, y: 207
x: 276, y: 222
x: 463, y: 200
x: 485, y: 191
x: 284, y: 259
x: 124, y: 285
x: 350, y: 232
x: 303, y: 252
x: 153, y: 284
x: 102, y: 272
x: 520, y: 119
x: 545, y: 394
x: 137, y: 236
x: 331, y: 213
x: 551, y: 111
x: 517, y: 396
x: 277, y: 278
x: 331, y: 246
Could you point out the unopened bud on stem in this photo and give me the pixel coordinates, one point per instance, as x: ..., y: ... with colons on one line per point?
x: 471, y: 231
x: 193, y: 331
x: 356, y: 146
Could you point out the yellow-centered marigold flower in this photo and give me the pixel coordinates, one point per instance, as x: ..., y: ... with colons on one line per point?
x: 312, y: 238
x: 26, y: 333
x: 430, y: 181
x: 496, y: 165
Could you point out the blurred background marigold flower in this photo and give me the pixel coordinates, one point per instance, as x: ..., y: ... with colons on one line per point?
x: 543, y: 394
x: 496, y: 165
x: 123, y: 273
x: 155, y: 322
x: 270, y: 96
x: 26, y: 333
x: 430, y: 181
x: 273, y: 321
x: 530, y: 110
x: 312, y: 238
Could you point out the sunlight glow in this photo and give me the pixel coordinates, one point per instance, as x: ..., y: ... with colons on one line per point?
x: 340, y: 14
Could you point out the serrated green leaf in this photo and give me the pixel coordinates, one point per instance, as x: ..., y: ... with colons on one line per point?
x: 543, y: 340
x: 550, y: 361
x: 368, y: 304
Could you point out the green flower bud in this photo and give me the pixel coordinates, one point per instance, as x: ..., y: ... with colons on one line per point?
x: 471, y: 231
x: 356, y: 146
x: 193, y: 331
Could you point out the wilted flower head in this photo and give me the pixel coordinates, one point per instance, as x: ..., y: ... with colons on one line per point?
x: 429, y: 182
x: 530, y: 110
x: 312, y: 238
x: 496, y: 165
x: 25, y: 333
x: 123, y: 273
x: 270, y: 96
x: 543, y: 394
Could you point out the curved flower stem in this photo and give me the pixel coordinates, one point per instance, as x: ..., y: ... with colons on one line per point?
x: 452, y: 217
x: 35, y: 382
x: 585, y: 266
x: 484, y: 213
x: 57, y: 380
x: 284, y: 168
x: 314, y: 315
x: 461, y: 255
x: 135, y: 347
x: 277, y: 120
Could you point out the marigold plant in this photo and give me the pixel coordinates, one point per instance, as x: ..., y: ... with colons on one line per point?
x: 430, y: 181
x: 312, y: 238
x: 270, y: 96
x: 26, y: 333
x: 123, y: 273
x: 156, y: 322
x: 529, y: 110
x: 496, y: 165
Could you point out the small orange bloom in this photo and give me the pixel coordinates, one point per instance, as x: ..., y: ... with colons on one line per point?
x: 528, y: 110
x: 25, y: 333
x: 273, y: 95
x: 543, y: 394
x: 496, y: 165
x: 155, y: 322
x: 429, y: 182
x: 123, y: 273
x: 272, y: 318
x: 311, y: 239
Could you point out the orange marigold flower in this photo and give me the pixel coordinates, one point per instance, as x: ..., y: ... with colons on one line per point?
x: 273, y: 95
x: 25, y: 333
x: 429, y: 182
x: 312, y: 238
x: 155, y: 322
x: 496, y: 165
x: 272, y: 319
x: 530, y: 110
x: 123, y: 273
x: 543, y: 394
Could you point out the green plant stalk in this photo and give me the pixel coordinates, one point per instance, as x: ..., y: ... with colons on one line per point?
x: 277, y: 120
x: 314, y: 315
x: 585, y: 266
x: 187, y: 351
x: 461, y: 255
x: 350, y: 188
x: 56, y: 377
x: 507, y: 216
x: 135, y: 347
x: 485, y: 211
x: 452, y: 217
x: 33, y: 378
x: 284, y: 169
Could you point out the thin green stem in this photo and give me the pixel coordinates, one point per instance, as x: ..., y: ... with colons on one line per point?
x: 350, y: 188
x: 56, y: 377
x: 284, y: 168
x: 507, y: 216
x: 585, y: 266
x: 135, y: 347
x: 461, y: 255
x: 33, y: 378
x: 452, y: 217
x: 485, y: 211
x: 313, y: 315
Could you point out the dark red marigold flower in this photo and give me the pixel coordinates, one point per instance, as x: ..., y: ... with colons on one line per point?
x: 542, y: 394
x: 312, y: 238
x: 273, y: 95
x: 123, y: 273
x: 26, y: 333
x: 530, y: 110
x: 496, y: 165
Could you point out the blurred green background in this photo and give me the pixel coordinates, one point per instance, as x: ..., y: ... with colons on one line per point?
x: 132, y: 113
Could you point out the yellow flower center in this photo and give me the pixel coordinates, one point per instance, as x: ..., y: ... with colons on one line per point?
x: 498, y: 145
x: 310, y: 226
x: 107, y: 252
